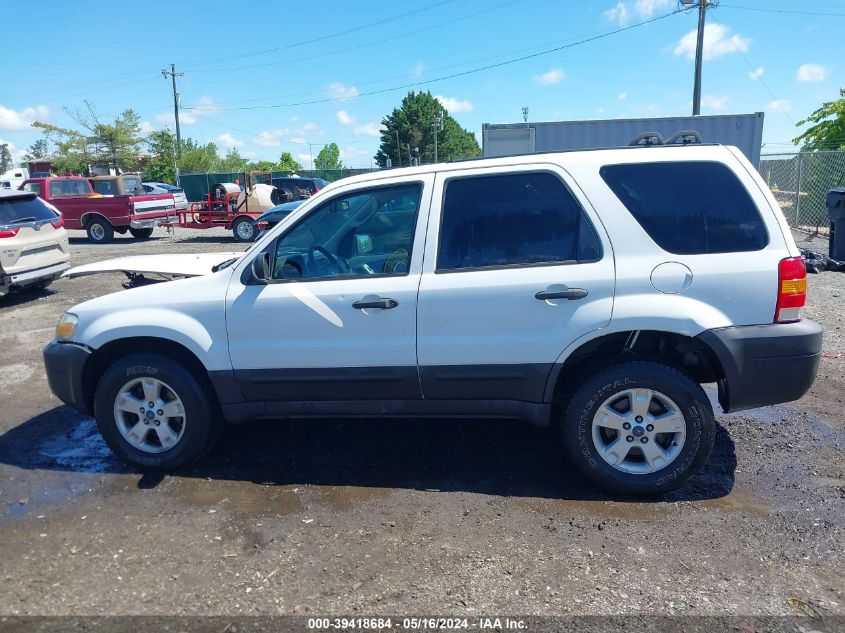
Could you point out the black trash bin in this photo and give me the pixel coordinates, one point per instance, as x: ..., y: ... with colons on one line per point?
x: 836, y: 210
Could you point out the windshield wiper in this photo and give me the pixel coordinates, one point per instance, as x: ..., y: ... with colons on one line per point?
x: 22, y: 220
x: 223, y: 265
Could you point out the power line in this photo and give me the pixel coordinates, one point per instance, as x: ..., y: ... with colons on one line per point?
x: 322, y: 37
x: 452, y: 76
x: 786, y: 11
x: 381, y: 40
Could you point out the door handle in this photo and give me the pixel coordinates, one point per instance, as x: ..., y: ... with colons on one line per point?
x: 571, y: 294
x: 380, y: 304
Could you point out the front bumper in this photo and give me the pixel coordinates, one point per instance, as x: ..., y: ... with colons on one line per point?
x: 65, y: 366
x: 151, y: 223
x: 765, y: 364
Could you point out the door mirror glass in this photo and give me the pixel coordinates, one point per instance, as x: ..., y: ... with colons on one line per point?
x: 261, y: 268
x: 364, y: 244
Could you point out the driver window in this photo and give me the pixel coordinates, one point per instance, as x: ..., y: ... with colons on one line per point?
x: 368, y: 232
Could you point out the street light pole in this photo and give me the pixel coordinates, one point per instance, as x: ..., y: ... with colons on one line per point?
x: 437, y: 126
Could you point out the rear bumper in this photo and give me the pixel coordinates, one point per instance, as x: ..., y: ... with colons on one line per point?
x: 34, y: 275
x: 765, y: 364
x: 65, y: 366
x: 150, y: 223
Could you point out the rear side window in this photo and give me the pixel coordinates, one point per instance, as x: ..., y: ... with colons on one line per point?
x: 22, y: 210
x: 35, y: 187
x: 689, y: 208
x: 104, y: 187
x: 69, y: 188
x: 513, y: 220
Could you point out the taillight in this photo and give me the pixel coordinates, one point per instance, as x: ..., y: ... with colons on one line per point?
x: 792, y: 290
x: 131, y: 207
x: 58, y: 223
x: 9, y: 232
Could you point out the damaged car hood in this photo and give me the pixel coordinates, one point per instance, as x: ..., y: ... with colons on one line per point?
x: 170, y: 266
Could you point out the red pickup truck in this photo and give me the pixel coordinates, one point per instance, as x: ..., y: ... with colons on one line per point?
x: 101, y: 216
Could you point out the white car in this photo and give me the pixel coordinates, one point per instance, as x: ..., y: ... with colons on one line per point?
x: 33, y: 242
x: 590, y: 291
x: 179, y: 198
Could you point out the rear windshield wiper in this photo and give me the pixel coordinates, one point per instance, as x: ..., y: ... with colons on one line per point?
x: 22, y: 220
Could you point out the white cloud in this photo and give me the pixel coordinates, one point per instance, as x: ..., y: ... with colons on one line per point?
x: 714, y: 103
x: 453, y: 104
x: 298, y: 140
x: 622, y: 96
x: 21, y: 119
x: 15, y: 151
x: 717, y: 43
x: 227, y: 140
x: 206, y: 106
x: 623, y: 12
x: 147, y: 127
x: 345, y: 118
x: 809, y: 73
x: 311, y: 127
x: 368, y: 129
x: 620, y: 14
x: 554, y: 76
x: 754, y: 75
x: 418, y: 69
x: 779, y: 105
x: 271, y: 138
x: 342, y: 91
x: 304, y: 158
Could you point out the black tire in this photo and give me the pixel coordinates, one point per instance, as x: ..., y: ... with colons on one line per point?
x: 692, y: 402
x: 99, y: 230
x: 203, y: 424
x: 141, y: 234
x: 244, y: 229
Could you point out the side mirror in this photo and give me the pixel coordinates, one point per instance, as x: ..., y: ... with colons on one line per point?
x: 261, y: 271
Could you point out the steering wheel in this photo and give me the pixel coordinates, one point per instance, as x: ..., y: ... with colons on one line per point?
x: 334, y: 261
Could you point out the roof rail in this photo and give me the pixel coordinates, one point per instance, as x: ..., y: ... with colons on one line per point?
x: 648, y: 138
x: 685, y: 137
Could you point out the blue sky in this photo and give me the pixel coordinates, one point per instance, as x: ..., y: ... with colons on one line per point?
x: 318, y: 62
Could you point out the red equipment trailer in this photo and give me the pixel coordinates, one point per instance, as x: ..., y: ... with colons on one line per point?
x: 220, y: 209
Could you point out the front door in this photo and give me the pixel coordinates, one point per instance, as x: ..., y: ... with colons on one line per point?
x: 338, y: 319
x: 521, y: 268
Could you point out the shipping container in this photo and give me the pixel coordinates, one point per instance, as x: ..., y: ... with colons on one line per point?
x: 745, y: 131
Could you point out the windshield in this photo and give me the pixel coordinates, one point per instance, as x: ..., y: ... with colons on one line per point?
x: 21, y: 209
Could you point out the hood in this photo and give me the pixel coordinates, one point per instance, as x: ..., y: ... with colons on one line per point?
x: 171, y: 266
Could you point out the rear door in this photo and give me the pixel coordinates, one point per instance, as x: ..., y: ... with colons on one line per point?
x: 516, y: 268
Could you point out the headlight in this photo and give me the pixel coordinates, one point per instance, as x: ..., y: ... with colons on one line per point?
x: 67, y: 327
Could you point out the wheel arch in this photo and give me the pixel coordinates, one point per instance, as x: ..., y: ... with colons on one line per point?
x: 88, y: 215
x: 102, y: 357
x: 686, y: 353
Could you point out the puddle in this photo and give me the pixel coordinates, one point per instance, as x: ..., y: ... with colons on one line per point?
x: 738, y: 501
x: 80, y: 449
x: 643, y: 511
x: 348, y: 497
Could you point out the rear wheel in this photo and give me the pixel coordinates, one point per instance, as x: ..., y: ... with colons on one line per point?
x: 244, y: 229
x: 154, y: 414
x: 99, y: 230
x: 141, y: 234
x: 639, y: 428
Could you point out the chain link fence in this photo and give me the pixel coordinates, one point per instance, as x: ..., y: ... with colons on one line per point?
x: 800, y: 183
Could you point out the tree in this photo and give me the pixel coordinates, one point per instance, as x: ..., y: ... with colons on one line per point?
x: 288, y: 163
x: 161, y: 167
x: 5, y: 157
x: 828, y: 131
x: 116, y: 144
x: 37, y: 151
x: 329, y: 157
x: 262, y: 165
x: 233, y: 161
x: 414, y: 120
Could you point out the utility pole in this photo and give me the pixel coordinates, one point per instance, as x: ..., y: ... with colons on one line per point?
x: 173, y: 74
x: 525, y: 114
x: 699, y: 49
x: 437, y: 126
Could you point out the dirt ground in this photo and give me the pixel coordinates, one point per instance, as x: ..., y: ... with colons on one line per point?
x: 399, y: 517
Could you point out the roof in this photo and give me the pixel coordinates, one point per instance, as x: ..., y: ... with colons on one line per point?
x: 16, y: 194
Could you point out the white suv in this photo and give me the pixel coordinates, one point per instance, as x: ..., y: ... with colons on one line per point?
x: 592, y: 291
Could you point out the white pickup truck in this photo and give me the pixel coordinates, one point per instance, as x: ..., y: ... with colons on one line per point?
x: 592, y: 291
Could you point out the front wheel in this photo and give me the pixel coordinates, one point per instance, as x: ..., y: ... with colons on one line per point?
x: 244, y: 229
x: 639, y: 428
x: 141, y: 234
x: 154, y: 414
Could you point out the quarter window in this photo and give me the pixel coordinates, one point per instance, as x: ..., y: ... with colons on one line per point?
x: 513, y: 220
x: 690, y: 207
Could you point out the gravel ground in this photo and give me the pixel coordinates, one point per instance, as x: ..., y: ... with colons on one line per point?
x: 363, y: 518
